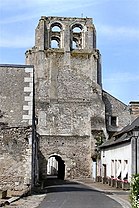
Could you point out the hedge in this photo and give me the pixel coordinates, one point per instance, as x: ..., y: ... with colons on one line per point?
x: 134, y: 196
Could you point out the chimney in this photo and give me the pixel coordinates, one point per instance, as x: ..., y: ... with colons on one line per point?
x: 134, y: 109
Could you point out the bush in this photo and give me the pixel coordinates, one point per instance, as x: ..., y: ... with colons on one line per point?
x: 135, y: 191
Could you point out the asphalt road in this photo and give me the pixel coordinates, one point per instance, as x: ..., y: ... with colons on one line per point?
x: 64, y: 194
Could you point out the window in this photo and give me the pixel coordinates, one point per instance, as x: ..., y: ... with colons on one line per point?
x: 56, y: 35
x: 76, y: 36
x: 119, y: 169
x: 112, y: 168
x: 56, y: 29
x: 115, y: 168
x: 113, y: 121
x: 77, y: 29
x: 103, y: 153
x: 74, y: 45
x: 55, y: 43
x: 125, y: 171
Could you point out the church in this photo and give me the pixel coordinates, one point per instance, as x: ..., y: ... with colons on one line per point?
x: 54, y: 112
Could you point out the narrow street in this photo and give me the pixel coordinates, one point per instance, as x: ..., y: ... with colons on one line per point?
x: 65, y: 194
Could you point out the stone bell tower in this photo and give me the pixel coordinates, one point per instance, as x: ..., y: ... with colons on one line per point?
x: 68, y: 94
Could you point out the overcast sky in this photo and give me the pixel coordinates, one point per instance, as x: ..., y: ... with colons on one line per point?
x: 117, y: 25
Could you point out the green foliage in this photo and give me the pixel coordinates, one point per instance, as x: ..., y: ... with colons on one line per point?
x: 135, y: 191
x: 99, y: 140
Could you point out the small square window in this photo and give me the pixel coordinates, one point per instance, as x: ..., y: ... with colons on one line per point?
x: 113, y: 121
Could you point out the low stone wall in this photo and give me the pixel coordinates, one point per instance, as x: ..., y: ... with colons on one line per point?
x: 15, y: 158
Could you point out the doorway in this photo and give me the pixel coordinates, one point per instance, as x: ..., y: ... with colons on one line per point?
x: 56, y: 167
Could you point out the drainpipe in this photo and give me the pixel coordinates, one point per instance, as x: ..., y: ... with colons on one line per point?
x: 136, y: 155
x: 136, y: 136
x: 33, y: 139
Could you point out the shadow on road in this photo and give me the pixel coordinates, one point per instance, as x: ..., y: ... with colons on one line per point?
x: 57, y: 185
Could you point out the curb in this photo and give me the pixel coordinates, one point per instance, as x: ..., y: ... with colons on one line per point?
x: 124, y: 203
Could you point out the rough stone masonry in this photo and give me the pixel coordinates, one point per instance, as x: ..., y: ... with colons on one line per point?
x: 70, y: 108
x: 16, y: 102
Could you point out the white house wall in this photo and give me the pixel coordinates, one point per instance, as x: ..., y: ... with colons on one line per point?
x: 121, y: 152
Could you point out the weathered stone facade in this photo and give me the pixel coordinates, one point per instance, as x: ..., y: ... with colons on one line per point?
x: 15, y: 158
x: 68, y: 91
x: 16, y: 111
x: 16, y: 95
x: 69, y: 99
x: 74, y: 150
x: 60, y: 111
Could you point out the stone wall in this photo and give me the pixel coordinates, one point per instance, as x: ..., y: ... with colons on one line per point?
x: 16, y: 113
x: 16, y: 95
x: 74, y: 151
x: 15, y: 158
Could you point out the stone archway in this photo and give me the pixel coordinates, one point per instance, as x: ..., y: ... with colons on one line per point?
x: 56, y: 167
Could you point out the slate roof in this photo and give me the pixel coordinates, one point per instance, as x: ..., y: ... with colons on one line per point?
x: 122, y: 136
x: 130, y: 127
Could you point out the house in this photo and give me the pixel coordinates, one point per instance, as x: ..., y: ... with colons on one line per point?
x: 120, y: 154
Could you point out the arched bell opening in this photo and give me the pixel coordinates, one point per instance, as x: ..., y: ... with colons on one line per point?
x: 56, y: 32
x: 76, y: 36
x: 55, y: 42
x: 75, y: 44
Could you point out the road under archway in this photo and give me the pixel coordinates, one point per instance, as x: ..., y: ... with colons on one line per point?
x: 56, y: 167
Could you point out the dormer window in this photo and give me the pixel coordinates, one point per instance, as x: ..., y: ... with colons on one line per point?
x: 113, y: 121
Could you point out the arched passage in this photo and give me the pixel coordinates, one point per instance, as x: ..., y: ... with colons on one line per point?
x: 56, y: 167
